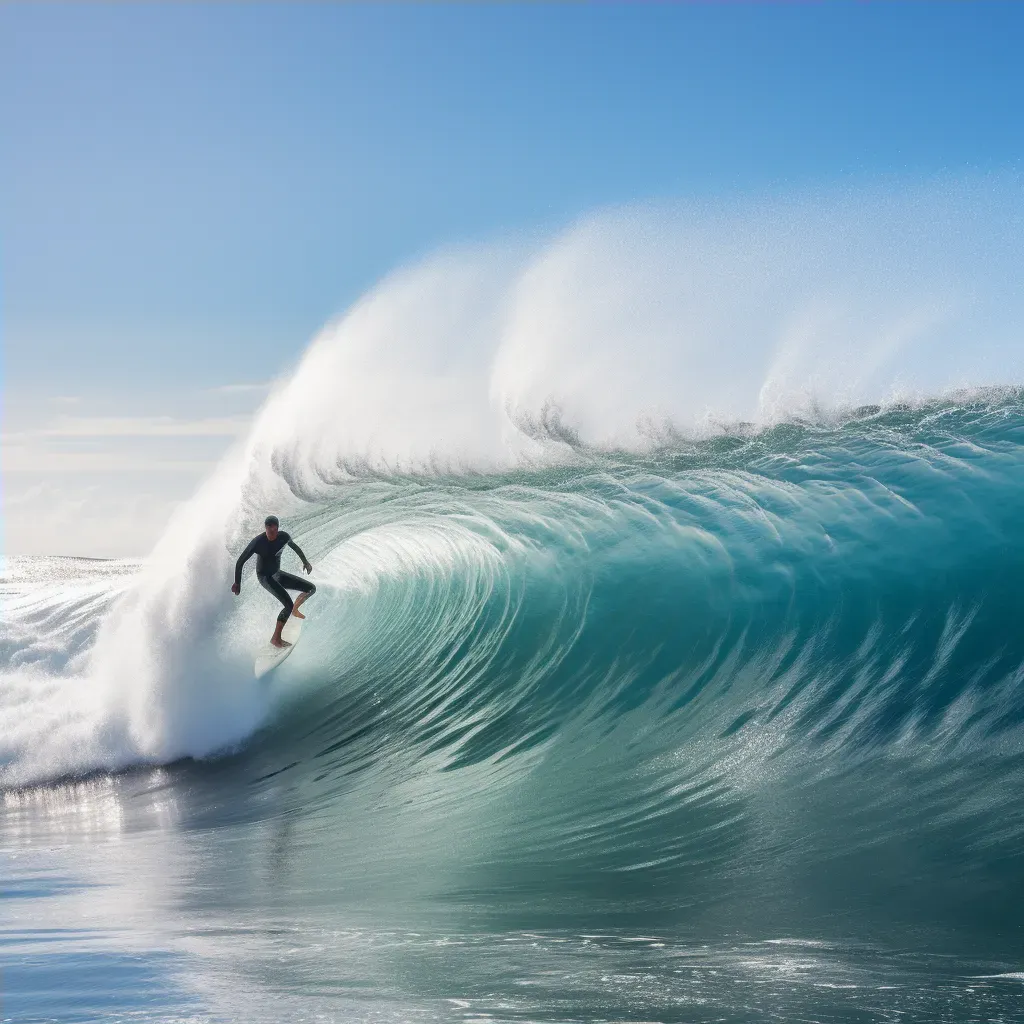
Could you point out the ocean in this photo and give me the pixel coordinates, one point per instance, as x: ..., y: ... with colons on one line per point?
x: 718, y: 722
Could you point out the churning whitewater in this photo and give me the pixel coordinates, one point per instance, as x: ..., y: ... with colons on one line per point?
x: 647, y: 559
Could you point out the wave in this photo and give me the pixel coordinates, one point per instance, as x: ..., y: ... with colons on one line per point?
x: 580, y: 623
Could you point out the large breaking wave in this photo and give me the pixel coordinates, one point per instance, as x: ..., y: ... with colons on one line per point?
x: 683, y: 533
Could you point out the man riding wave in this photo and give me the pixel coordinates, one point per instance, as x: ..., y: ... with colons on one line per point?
x: 267, y: 547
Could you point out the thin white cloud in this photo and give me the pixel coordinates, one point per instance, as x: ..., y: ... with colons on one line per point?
x: 235, y: 389
x: 138, y: 426
x: 57, y: 447
x: 119, y: 518
x: 23, y: 458
x: 147, y: 464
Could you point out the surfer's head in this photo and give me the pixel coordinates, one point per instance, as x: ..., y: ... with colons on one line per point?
x: 271, y: 525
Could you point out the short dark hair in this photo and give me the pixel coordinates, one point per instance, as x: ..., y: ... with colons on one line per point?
x: 271, y: 521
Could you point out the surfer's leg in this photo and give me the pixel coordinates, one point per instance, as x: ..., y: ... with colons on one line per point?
x: 286, y: 579
x: 270, y: 583
x: 276, y: 640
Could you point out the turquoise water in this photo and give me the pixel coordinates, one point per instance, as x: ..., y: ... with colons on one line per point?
x: 727, y: 730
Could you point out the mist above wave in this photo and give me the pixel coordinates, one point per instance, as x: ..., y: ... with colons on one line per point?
x: 656, y: 316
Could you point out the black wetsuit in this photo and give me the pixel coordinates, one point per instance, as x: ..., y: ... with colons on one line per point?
x: 268, y: 569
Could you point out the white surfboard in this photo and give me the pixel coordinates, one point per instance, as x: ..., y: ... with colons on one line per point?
x: 267, y: 660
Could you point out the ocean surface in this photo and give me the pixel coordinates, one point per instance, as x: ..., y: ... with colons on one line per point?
x: 728, y: 731
x: 718, y: 720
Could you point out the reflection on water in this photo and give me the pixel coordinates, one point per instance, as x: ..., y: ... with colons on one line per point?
x: 114, y: 909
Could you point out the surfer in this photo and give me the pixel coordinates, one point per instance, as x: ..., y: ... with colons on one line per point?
x: 267, y: 547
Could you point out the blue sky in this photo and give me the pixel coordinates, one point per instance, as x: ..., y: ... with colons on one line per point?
x: 187, y: 192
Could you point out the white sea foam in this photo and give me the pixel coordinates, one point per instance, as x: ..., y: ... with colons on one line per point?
x: 664, y: 314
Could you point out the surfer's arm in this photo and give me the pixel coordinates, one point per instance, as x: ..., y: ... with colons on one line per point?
x: 242, y: 559
x: 295, y: 547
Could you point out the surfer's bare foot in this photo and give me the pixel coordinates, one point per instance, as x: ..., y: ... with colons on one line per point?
x: 280, y: 643
x: 297, y: 614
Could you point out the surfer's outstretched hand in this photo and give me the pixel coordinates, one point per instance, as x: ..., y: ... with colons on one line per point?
x: 307, y: 567
x: 235, y: 588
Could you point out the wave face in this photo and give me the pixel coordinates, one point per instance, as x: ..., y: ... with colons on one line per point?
x: 767, y: 668
x: 793, y: 650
